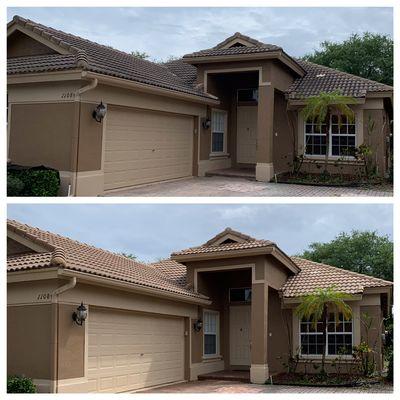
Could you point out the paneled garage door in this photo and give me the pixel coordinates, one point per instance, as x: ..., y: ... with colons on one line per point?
x: 144, y: 146
x: 128, y: 351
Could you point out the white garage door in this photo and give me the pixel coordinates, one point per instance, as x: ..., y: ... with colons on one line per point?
x: 128, y: 351
x: 144, y: 146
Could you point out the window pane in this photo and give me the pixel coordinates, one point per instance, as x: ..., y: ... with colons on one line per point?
x: 352, y: 129
x: 217, y: 141
x: 210, y: 344
x: 240, y: 294
x: 210, y: 322
x: 309, y: 128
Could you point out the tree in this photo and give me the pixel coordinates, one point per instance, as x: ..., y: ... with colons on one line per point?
x: 368, y: 55
x: 364, y: 252
x: 315, y: 307
x: 140, y: 54
x: 129, y: 255
x: 320, y: 108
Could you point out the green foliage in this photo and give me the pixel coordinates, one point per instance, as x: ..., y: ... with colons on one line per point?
x: 15, y: 186
x: 360, y: 251
x: 390, y: 365
x: 314, y: 307
x: 18, y: 384
x: 140, y: 54
x: 367, y: 55
x: 319, y: 108
x: 35, y: 182
x: 129, y: 255
x: 388, y: 349
x: 363, y: 355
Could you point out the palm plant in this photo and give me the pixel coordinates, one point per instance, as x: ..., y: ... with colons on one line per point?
x: 315, y: 307
x: 320, y: 108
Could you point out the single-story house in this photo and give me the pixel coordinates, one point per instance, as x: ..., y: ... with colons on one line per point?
x: 108, y: 120
x: 225, y: 305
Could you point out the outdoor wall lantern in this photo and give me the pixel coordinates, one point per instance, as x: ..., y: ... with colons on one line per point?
x: 80, y: 315
x: 198, y: 325
x: 100, y: 112
x: 206, y: 123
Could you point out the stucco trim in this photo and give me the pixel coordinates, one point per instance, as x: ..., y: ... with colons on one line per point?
x: 259, y: 373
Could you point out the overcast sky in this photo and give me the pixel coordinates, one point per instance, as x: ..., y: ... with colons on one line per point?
x: 153, y: 231
x: 162, y: 32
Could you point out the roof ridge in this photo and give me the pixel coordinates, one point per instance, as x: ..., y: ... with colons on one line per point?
x: 342, y: 270
x: 342, y: 72
x: 81, y: 54
x: 42, y: 30
x: 62, y: 251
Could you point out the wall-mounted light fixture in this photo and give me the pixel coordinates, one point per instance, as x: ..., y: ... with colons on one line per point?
x: 100, y: 112
x: 80, y: 315
x: 206, y: 123
x: 198, y: 325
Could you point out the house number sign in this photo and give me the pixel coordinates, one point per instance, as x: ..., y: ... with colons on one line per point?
x: 43, y: 296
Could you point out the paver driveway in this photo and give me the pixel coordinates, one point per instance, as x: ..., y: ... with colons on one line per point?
x: 228, y: 187
x: 215, y: 386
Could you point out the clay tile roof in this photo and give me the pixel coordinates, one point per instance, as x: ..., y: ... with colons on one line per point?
x: 315, y: 275
x: 319, y: 79
x: 76, y: 256
x: 173, y: 269
x: 229, y: 231
x: 94, y: 57
x: 219, y: 50
x: 251, y: 244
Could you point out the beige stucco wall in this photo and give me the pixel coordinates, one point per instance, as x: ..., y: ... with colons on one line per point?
x: 29, y: 341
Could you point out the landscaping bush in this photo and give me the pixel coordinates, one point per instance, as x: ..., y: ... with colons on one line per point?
x: 390, y: 365
x: 19, y: 384
x: 35, y: 181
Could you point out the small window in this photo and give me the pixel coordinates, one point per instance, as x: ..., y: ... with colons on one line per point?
x: 211, y: 327
x: 218, y: 122
x: 242, y: 295
x: 246, y: 95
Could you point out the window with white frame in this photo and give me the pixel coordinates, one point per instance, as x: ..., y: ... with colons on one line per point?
x: 218, y: 131
x: 339, y: 338
x: 342, y: 137
x: 210, y: 332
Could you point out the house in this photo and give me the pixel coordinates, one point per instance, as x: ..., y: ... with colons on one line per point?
x: 225, y: 305
x: 107, y: 120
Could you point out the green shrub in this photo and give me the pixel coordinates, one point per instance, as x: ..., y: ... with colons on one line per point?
x: 15, y: 186
x: 19, y: 384
x: 390, y: 365
x: 36, y: 182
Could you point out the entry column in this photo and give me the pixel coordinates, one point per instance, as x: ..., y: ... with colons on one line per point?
x: 265, y: 127
x: 259, y: 371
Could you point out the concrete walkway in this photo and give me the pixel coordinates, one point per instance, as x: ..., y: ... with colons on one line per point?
x: 214, y: 386
x: 238, y: 187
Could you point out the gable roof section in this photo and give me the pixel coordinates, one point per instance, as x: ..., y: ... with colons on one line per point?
x: 241, y: 237
x: 72, y: 255
x: 91, y: 56
x: 315, y: 275
x: 319, y: 79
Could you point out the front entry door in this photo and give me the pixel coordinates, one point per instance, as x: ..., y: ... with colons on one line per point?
x: 240, y: 335
x: 246, y: 134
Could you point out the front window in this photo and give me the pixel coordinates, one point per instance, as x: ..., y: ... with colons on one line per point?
x: 211, y: 328
x: 339, y: 338
x: 240, y: 295
x: 342, y: 137
x: 218, y: 131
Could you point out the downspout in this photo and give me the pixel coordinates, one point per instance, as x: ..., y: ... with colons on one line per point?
x: 54, y: 302
x: 92, y: 85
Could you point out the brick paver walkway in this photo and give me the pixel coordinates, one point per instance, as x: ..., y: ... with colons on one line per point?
x: 211, y: 386
x: 229, y: 187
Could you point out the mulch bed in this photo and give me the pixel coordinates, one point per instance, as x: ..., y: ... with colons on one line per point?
x: 330, y: 380
x: 334, y: 180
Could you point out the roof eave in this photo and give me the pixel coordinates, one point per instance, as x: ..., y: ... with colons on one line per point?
x: 230, y: 57
x: 115, y: 283
x: 142, y: 87
x: 303, y: 101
